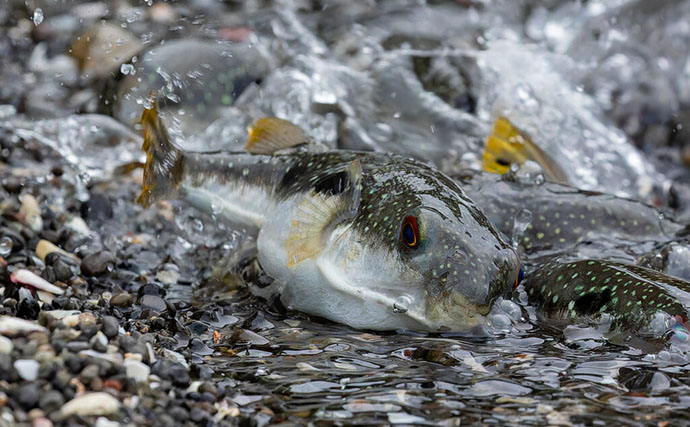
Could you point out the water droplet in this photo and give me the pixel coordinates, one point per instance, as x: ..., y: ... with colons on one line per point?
x: 402, y: 304
x: 5, y: 246
x: 520, y: 223
x: 127, y: 69
x: 38, y: 16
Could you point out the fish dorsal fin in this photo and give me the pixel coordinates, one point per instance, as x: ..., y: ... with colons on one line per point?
x: 507, y: 145
x: 270, y: 134
x: 319, y: 210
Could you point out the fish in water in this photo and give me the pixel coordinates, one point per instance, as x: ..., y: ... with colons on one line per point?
x: 369, y: 240
x: 563, y: 216
x: 566, y: 292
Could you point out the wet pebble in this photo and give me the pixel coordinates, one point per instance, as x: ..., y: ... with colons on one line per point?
x: 171, y: 371
x: 98, y: 263
x: 122, y: 300
x: 110, y: 327
x: 153, y: 302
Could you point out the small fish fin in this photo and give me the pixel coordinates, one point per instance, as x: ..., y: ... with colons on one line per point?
x: 164, y: 162
x: 504, y: 146
x: 507, y: 145
x: 270, y: 134
x: 317, y: 210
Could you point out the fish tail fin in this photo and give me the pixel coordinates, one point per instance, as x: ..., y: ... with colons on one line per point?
x: 164, y: 161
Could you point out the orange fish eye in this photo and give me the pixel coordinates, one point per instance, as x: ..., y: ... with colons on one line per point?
x: 409, y: 232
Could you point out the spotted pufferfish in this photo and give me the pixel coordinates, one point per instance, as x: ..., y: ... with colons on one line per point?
x: 373, y: 241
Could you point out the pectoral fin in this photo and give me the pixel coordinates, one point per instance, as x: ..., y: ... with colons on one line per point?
x: 319, y: 211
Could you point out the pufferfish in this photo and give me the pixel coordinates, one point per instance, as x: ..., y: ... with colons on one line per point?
x: 373, y: 241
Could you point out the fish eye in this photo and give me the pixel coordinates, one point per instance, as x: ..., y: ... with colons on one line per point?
x: 409, y: 232
x: 503, y: 162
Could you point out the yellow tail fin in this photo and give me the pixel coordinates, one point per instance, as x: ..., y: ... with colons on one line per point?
x: 164, y: 162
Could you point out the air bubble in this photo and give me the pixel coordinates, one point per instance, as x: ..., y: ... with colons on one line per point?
x: 38, y: 16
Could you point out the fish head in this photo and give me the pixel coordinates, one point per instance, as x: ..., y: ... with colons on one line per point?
x: 461, y: 262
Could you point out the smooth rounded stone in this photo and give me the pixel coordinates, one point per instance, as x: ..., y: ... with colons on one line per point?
x: 208, y: 387
x: 110, y: 327
x: 122, y: 300
x: 63, y: 271
x: 153, y: 302
x: 27, y: 369
x: 78, y: 225
x: 131, y: 345
x: 27, y: 395
x: 31, y: 213
x: 6, y: 345
x: 104, y: 422
x: 89, y: 372
x: 44, y: 248
x: 99, y: 342
x: 98, y: 263
x: 41, y: 422
x: 51, y: 401
x: 137, y: 371
x: 168, y: 277
x: 13, y: 326
x: 82, y: 319
x: 50, y: 316
x: 98, y: 403
x: 171, y: 371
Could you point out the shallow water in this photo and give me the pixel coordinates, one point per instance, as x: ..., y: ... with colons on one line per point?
x: 360, y: 77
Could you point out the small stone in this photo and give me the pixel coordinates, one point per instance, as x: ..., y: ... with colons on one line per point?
x: 82, y: 319
x: 98, y: 263
x: 51, y: 401
x: 99, y: 403
x: 13, y: 326
x: 41, y: 422
x: 171, y: 371
x: 104, y: 422
x: 110, y: 327
x: 35, y: 414
x: 122, y: 300
x: 6, y: 345
x: 27, y: 369
x: 137, y: 371
x: 168, y: 277
x: 31, y: 213
x: 89, y: 372
x: 44, y: 248
x: 153, y: 302
x: 27, y: 395
x: 99, y: 342
x: 78, y: 225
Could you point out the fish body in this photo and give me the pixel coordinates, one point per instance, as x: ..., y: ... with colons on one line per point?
x: 563, y: 216
x: 369, y: 240
x: 570, y: 291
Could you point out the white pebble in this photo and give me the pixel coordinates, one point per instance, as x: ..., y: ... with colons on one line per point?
x: 12, y: 326
x: 27, y: 369
x: 137, y: 371
x: 98, y: 403
x: 26, y: 277
x: 6, y: 345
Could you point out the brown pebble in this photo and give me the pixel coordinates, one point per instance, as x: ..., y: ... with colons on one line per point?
x: 96, y: 384
x: 122, y: 300
x: 112, y: 383
x: 35, y: 414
